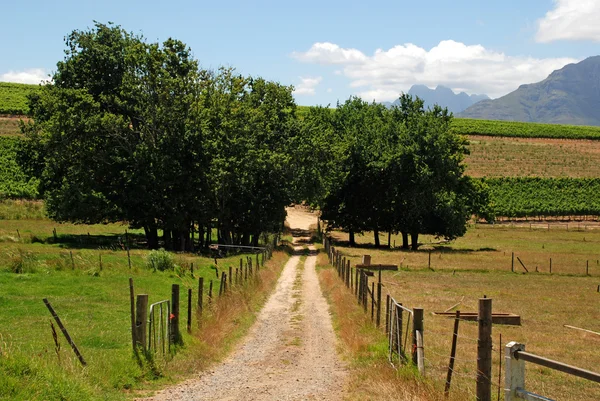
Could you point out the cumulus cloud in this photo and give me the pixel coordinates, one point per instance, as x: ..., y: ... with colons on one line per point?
x: 570, y: 20
x: 469, y: 68
x: 30, y: 76
x: 307, y: 85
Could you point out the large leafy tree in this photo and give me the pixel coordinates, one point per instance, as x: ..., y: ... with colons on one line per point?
x: 135, y: 131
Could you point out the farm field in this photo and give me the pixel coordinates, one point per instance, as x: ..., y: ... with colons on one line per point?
x: 9, y: 126
x: 532, y: 157
x: 90, y: 292
x: 480, y: 264
x: 13, y: 97
x: 468, y: 126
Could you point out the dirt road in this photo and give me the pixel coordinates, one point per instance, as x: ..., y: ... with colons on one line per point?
x: 289, y: 353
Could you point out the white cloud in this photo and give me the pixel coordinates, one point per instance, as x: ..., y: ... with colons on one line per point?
x: 307, y: 85
x: 329, y: 90
x: 469, y: 68
x: 329, y: 53
x: 30, y: 76
x: 570, y: 20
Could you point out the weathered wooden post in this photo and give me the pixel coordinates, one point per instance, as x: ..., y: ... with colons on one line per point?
x: 175, y: 334
x: 512, y: 263
x: 484, y: 351
x: 200, y: 295
x: 141, y: 319
x: 452, y: 354
x: 379, y: 286
x: 132, y: 313
x: 189, y: 311
x: 417, y: 328
x: 65, y: 332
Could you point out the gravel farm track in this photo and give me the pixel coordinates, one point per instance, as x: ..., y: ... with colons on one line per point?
x: 290, y: 351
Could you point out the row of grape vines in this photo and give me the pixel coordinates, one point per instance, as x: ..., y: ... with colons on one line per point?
x: 534, y: 197
x: 467, y: 126
x: 13, y: 98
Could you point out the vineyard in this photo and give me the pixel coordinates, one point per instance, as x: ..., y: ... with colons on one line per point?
x: 13, y: 183
x: 13, y: 98
x: 535, y: 197
x: 532, y: 157
x: 466, y: 126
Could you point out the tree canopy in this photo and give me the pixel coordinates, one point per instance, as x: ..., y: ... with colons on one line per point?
x: 134, y: 131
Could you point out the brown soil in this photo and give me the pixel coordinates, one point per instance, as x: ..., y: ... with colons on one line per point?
x: 289, y: 353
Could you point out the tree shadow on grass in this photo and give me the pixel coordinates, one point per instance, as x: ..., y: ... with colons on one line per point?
x: 423, y: 248
x: 115, y: 242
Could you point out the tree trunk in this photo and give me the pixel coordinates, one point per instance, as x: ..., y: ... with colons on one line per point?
x: 245, y: 239
x: 390, y: 239
x: 151, y: 236
x: 167, y: 239
x: 208, y: 234
x: 351, y: 238
x: 414, y: 237
x: 376, y: 235
x: 200, y: 235
x: 404, y: 240
x: 255, y: 239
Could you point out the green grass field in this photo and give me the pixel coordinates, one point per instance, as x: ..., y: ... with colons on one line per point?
x: 480, y: 264
x: 90, y: 292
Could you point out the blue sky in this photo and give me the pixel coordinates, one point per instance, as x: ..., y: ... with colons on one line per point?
x: 330, y: 50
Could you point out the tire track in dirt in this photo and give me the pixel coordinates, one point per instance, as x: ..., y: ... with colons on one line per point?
x: 290, y: 351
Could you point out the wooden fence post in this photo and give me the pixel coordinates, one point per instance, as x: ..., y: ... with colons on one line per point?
x: 379, y: 285
x: 210, y: 288
x: 452, y: 354
x: 512, y: 263
x: 347, y: 278
x: 65, y: 332
x: 127, y: 245
x: 417, y: 327
x: 372, y: 301
x: 141, y: 319
x: 189, y: 311
x: 132, y: 311
x: 200, y: 296
x: 175, y: 334
x: 484, y: 351
x: 230, y: 276
x: 387, y: 314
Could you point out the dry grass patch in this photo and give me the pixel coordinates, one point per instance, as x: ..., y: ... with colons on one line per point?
x: 479, y: 264
x: 365, y: 348
x: 511, y: 157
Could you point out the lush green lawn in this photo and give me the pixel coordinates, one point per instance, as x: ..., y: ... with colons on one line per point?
x: 93, y: 303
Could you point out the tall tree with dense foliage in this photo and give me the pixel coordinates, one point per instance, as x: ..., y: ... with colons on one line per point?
x: 135, y: 131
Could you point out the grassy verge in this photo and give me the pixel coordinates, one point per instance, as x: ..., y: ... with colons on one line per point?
x: 479, y: 264
x: 364, y: 347
x: 92, y: 299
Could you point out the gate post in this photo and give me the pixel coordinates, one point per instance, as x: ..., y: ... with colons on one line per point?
x: 514, y: 377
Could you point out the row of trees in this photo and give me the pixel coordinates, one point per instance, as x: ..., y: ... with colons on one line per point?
x: 134, y: 131
x: 137, y: 132
x: 398, y: 170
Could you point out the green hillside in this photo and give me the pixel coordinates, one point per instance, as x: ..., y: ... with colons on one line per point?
x: 13, y: 97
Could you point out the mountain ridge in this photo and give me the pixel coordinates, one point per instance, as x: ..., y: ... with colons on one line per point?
x: 569, y: 95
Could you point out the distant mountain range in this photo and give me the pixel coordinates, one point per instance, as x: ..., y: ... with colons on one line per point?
x: 570, y: 95
x: 445, y: 97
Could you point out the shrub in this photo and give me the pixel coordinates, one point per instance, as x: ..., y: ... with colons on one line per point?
x: 160, y: 260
